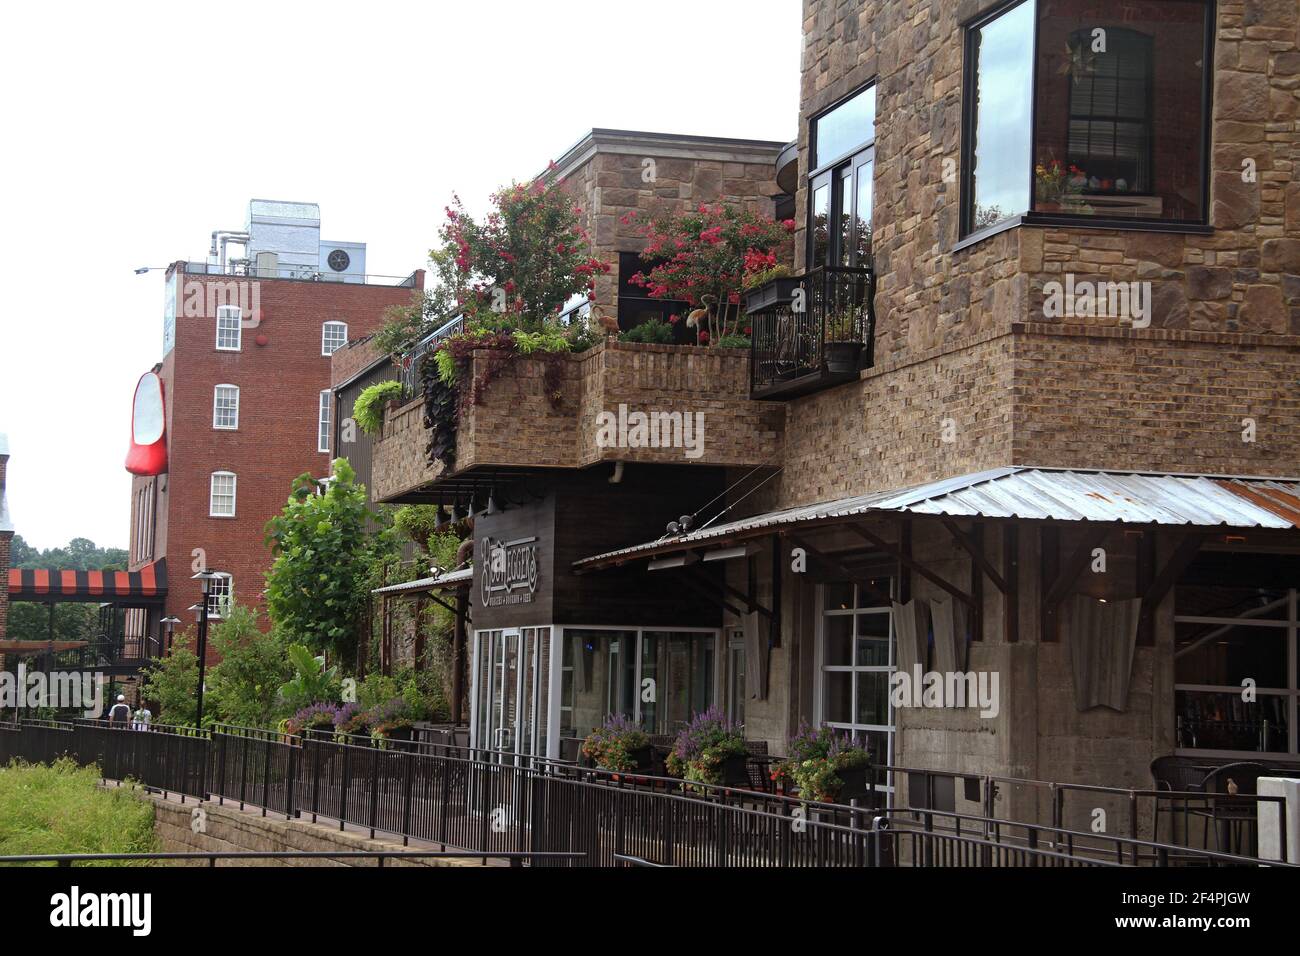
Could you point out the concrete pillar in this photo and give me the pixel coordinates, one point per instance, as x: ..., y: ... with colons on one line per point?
x: 1270, y: 829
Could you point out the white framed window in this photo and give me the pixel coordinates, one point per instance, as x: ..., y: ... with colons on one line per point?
x: 229, y: 328
x: 221, y: 500
x: 220, y: 595
x: 333, y: 336
x: 323, y: 419
x: 855, y: 658
x: 225, y: 407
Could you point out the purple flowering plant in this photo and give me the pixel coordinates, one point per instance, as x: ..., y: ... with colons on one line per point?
x: 318, y: 716
x: 612, y: 745
x: 704, y: 745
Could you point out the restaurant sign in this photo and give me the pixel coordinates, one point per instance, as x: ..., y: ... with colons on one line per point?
x: 509, y: 571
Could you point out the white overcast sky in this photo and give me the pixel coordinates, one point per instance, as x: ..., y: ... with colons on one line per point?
x: 132, y: 131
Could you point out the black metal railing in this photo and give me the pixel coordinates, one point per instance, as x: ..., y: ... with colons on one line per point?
x: 490, y: 803
x: 410, y: 361
x: 811, y: 332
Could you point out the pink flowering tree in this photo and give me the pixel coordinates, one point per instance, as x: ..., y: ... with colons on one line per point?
x: 519, y: 266
x: 702, y: 258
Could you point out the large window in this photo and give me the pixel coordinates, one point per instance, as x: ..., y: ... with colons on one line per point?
x: 221, y: 499
x: 856, y: 657
x: 1236, y: 670
x: 1078, y: 110
x: 225, y: 407
x: 221, y: 594
x: 229, y: 334
x: 323, y: 422
x: 658, y: 678
x: 634, y: 303
x: 840, y: 186
x: 333, y: 336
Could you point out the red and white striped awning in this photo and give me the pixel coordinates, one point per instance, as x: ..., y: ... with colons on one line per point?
x: 146, y: 586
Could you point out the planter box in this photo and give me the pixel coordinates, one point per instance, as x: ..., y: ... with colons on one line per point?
x: 843, y: 356
x: 771, y: 293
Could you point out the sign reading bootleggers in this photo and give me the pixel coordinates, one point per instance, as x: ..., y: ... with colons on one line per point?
x: 509, y: 573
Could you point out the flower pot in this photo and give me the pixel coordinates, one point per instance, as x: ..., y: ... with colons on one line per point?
x: 855, y: 784
x: 643, y: 758
x: 843, y: 356
x: 734, y: 771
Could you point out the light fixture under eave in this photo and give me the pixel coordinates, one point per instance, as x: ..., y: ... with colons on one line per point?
x: 674, y: 561
x: 729, y: 554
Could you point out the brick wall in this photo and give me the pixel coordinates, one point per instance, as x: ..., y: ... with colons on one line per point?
x: 352, y: 358
x: 647, y: 378
x: 280, y: 372
x: 618, y: 178
x: 962, y: 334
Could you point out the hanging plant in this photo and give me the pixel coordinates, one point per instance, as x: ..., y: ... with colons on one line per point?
x: 440, y: 414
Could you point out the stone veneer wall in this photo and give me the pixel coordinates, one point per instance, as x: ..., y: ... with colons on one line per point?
x: 612, y: 184
x: 515, y: 424
x: 230, y: 830
x: 401, y: 463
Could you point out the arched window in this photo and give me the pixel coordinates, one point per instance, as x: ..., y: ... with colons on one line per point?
x: 333, y: 336
x: 221, y: 498
x: 225, y: 407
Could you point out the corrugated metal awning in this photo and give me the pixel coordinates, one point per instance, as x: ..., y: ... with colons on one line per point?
x: 450, y: 580
x: 1045, y: 494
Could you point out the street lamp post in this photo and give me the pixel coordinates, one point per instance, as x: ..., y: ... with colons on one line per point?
x: 206, y: 579
x: 171, y: 623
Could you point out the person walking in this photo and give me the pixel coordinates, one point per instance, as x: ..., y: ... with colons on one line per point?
x: 119, y: 715
x: 142, y: 716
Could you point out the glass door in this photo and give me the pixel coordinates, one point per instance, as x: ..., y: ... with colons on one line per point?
x: 503, y: 735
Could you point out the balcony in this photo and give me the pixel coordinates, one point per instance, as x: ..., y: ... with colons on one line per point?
x: 810, y: 332
x: 514, y: 425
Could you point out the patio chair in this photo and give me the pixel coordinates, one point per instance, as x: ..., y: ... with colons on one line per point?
x: 1176, y: 775
x: 1228, y: 807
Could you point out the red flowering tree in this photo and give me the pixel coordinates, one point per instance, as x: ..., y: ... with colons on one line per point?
x: 523, y: 262
x: 702, y: 258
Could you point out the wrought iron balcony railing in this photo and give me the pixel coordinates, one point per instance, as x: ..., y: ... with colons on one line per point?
x: 410, y: 373
x: 810, y: 332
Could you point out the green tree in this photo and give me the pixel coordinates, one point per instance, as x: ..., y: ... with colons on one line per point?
x: 173, y: 682
x: 242, y: 688
x: 316, y: 588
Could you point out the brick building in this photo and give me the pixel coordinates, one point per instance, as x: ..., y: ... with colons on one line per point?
x: 1059, y: 454
x: 245, y: 377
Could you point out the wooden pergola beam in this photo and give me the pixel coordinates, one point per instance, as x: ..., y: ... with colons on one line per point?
x: 1063, y: 581
x: 1184, y: 554
x: 837, y: 568
x: 969, y: 545
x: 913, y: 565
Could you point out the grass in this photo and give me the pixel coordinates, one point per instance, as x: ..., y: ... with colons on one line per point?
x: 60, y: 808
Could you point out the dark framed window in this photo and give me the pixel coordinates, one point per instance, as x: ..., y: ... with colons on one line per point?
x: 840, y: 185
x: 634, y: 303
x: 1077, y: 112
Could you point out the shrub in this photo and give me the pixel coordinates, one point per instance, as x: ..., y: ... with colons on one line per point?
x: 656, y: 331
x: 319, y: 716
x: 814, y: 759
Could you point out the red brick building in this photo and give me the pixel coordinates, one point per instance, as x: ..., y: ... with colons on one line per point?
x: 245, y: 376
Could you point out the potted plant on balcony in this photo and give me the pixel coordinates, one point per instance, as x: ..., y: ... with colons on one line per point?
x: 618, y: 744
x: 843, y: 348
x: 702, y: 258
x: 710, y: 749
x: 824, y: 766
x: 767, y: 284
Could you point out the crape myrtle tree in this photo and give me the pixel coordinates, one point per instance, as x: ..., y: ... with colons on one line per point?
x: 323, y: 553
